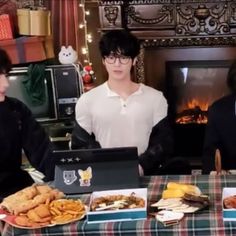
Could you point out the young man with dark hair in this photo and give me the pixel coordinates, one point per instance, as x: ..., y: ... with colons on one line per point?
x: 121, y: 112
x: 18, y: 131
x: 220, y: 132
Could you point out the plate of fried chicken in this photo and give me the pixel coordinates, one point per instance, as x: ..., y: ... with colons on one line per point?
x: 40, y: 206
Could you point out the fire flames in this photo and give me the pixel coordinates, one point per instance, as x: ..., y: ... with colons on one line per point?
x: 193, y: 112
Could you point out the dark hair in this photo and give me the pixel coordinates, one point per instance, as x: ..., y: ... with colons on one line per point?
x: 5, y: 62
x: 231, y: 77
x: 119, y: 42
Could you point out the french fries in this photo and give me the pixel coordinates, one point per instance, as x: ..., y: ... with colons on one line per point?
x: 66, y: 210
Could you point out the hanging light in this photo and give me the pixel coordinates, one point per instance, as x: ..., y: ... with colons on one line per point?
x: 87, y: 37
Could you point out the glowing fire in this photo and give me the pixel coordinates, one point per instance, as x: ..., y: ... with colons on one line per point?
x: 195, y: 103
x: 193, y: 111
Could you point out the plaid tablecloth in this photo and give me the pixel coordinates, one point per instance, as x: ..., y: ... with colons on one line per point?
x: 205, y: 222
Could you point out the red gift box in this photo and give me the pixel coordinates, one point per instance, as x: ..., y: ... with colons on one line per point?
x: 5, y: 27
x: 24, y: 49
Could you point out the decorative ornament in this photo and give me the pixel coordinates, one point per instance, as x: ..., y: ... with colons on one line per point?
x: 88, y: 77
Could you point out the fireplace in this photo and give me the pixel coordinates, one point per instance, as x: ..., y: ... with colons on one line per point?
x: 192, y: 86
x: 191, y: 79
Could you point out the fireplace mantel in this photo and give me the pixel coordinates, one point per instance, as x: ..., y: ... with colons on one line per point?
x: 167, y: 24
x: 173, y: 20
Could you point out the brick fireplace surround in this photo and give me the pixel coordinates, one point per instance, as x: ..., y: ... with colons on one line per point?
x: 176, y: 30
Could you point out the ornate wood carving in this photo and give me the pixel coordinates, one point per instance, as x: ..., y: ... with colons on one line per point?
x: 111, y: 14
x: 140, y: 67
x: 197, y: 41
x: 172, y: 23
x: 171, y: 17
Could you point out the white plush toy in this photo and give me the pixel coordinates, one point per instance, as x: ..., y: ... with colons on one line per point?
x: 67, y: 55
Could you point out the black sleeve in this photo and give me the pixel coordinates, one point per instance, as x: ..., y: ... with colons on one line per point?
x: 80, y: 138
x: 36, y: 144
x: 160, y: 147
x: 211, y: 143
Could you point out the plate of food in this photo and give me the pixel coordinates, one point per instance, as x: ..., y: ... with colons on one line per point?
x: 30, y: 210
x: 183, y: 198
x: 117, y: 202
x: 65, y: 211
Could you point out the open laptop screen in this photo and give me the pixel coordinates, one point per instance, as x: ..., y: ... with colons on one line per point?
x: 88, y: 170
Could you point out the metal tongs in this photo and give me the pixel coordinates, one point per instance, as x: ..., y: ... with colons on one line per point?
x: 218, y: 164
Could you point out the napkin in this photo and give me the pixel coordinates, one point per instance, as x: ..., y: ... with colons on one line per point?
x: 168, y: 218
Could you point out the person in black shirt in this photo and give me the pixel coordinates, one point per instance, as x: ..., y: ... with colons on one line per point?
x: 221, y: 129
x: 19, y: 131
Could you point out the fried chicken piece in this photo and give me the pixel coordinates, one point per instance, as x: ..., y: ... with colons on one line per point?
x: 25, y: 221
x: 30, y: 197
x: 33, y: 216
x: 43, y: 189
x: 42, y: 211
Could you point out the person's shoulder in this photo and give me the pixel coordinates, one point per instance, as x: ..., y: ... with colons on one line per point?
x: 151, y: 90
x: 15, y: 103
x: 95, y: 91
x: 223, y: 105
x: 92, y: 95
x: 19, y: 106
x: 228, y: 99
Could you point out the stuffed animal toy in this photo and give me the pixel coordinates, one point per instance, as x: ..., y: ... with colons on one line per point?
x: 67, y: 55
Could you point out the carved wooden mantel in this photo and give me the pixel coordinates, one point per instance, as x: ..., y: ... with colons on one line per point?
x: 171, y: 18
x: 172, y: 23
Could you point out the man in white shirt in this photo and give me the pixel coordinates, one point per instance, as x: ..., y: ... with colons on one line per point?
x: 121, y: 112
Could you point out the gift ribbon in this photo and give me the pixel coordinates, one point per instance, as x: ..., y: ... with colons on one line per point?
x: 21, y: 49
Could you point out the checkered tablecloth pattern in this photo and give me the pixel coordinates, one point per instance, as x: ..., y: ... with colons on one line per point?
x: 202, y: 223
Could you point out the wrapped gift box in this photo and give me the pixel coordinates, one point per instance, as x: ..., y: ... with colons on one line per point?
x: 34, y: 22
x: 48, y: 46
x: 25, y: 49
x: 5, y: 27
x: 9, y: 7
x: 121, y: 214
x: 228, y: 214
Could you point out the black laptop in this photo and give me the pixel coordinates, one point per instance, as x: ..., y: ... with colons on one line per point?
x: 88, y: 170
